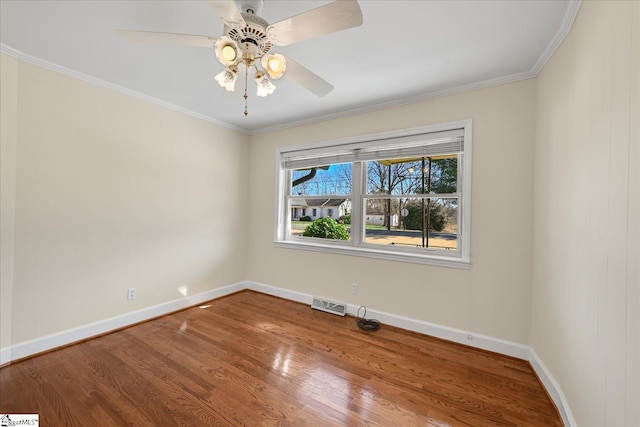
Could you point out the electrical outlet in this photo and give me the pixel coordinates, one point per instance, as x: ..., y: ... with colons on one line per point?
x: 131, y: 294
x: 354, y: 289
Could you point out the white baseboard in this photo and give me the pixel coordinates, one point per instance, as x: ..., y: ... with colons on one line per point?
x: 280, y: 292
x: 553, y: 388
x: 60, y: 339
x: 450, y: 334
x: 483, y: 342
x: 5, y: 355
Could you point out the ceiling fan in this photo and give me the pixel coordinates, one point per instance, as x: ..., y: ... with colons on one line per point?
x: 248, y: 40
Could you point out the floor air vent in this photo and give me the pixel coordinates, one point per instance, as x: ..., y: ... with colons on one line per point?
x: 338, y: 308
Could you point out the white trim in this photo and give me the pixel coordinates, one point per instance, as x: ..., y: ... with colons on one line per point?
x: 561, y: 34
x: 30, y: 348
x: 567, y: 22
x: 112, y: 86
x: 471, y: 339
x: 5, y: 355
x: 459, y: 336
x: 280, y: 292
x: 377, y: 106
x: 367, y: 252
x: 483, y: 342
x: 459, y: 258
x: 552, y: 388
x: 10, y: 51
x: 392, y: 134
x: 479, y: 341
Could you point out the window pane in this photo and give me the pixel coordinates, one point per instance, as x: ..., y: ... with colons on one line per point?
x: 322, y: 180
x: 420, y: 175
x: 404, y: 222
x: 407, y: 198
x: 304, y: 211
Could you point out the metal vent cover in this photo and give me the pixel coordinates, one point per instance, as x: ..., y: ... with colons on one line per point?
x: 333, y: 307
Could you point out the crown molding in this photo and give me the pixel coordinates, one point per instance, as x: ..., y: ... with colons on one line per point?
x: 108, y: 85
x: 565, y: 27
x: 10, y: 51
x: 400, y: 102
x: 567, y: 23
x: 554, y: 44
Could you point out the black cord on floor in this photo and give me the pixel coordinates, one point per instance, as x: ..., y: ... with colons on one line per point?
x: 367, y: 324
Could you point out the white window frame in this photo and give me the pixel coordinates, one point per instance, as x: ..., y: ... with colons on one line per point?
x: 460, y: 258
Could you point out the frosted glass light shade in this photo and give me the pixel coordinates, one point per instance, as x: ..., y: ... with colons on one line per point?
x: 275, y: 65
x: 227, y: 78
x: 265, y: 87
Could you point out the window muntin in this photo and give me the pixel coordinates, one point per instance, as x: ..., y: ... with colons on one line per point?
x: 411, y: 216
x: 428, y: 168
x: 323, y: 190
x: 409, y: 219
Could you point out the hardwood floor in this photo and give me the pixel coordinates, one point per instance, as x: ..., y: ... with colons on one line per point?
x: 254, y: 360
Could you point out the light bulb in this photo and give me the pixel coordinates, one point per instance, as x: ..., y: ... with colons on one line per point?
x: 275, y: 65
x: 229, y: 53
x: 226, y: 50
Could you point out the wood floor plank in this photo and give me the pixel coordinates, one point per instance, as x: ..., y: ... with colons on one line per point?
x: 254, y: 360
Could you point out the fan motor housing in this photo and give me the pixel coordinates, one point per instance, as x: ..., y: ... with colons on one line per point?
x: 250, y: 6
x: 253, y: 35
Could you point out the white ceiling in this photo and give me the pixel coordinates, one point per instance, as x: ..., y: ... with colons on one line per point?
x: 405, y: 51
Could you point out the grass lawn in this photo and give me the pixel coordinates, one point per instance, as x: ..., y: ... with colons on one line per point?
x: 394, y: 237
x: 304, y: 224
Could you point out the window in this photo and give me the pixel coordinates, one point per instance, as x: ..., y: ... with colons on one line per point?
x: 402, y: 195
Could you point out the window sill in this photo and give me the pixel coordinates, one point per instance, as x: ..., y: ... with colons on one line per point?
x: 438, y: 261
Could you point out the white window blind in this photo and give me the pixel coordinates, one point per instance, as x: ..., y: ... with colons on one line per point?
x: 420, y: 145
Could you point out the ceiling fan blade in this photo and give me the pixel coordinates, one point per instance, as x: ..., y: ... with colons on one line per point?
x: 332, y: 17
x: 167, y: 38
x: 229, y: 13
x: 307, y: 79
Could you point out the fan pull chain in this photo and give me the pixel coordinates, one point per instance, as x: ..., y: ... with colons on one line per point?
x: 246, y: 80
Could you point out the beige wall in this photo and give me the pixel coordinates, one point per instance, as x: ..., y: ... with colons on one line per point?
x: 491, y: 298
x: 102, y: 192
x: 585, y: 301
x: 111, y: 192
x: 8, y: 141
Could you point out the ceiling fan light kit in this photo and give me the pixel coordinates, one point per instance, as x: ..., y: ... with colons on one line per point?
x: 248, y: 40
x: 264, y: 85
x: 226, y: 50
x: 227, y: 78
x: 275, y: 64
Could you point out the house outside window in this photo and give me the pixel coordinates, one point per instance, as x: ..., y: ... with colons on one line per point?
x: 402, y: 195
